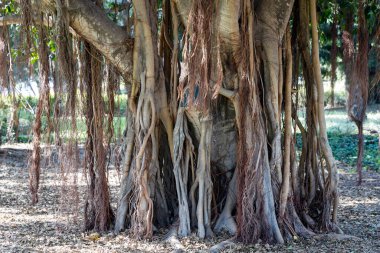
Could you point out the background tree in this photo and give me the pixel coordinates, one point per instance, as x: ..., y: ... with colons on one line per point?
x: 358, y: 80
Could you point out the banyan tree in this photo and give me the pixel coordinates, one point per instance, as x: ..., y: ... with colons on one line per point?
x: 210, y: 143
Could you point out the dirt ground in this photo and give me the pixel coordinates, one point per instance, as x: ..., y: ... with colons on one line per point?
x: 46, y: 228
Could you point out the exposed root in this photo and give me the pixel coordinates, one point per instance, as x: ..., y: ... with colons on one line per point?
x: 226, y: 222
x: 336, y: 237
x: 172, y: 238
x: 222, y: 245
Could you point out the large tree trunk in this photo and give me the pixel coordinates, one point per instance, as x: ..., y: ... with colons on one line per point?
x: 142, y: 183
x: 226, y: 99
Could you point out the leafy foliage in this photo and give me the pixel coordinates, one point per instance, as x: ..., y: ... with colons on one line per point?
x: 345, y: 148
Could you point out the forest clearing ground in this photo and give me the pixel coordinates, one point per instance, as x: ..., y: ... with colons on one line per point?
x: 42, y: 228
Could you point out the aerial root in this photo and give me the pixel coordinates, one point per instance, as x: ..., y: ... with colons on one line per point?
x: 336, y: 229
x: 226, y: 223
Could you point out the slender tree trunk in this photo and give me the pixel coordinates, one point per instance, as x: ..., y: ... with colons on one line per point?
x: 288, y: 127
x: 359, y: 162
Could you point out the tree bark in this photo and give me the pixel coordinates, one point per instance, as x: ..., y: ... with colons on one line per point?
x: 233, y: 49
x: 92, y: 24
x: 288, y: 127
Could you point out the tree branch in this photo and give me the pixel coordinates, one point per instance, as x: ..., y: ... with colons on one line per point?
x: 91, y: 23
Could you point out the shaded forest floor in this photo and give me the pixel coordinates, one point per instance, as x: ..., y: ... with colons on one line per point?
x: 46, y: 228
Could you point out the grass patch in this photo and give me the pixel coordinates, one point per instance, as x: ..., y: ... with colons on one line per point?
x: 342, y: 134
x: 344, y: 147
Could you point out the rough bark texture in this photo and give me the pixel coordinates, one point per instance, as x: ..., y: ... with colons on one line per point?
x: 226, y: 94
x: 98, y: 212
x: 91, y: 23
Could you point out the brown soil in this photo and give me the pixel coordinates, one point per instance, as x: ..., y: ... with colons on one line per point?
x: 46, y: 228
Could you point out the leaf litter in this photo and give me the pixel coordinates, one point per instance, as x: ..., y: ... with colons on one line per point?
x: 43, y: 228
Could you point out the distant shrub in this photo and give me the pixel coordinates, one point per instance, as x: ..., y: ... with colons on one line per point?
x: 340, y: 98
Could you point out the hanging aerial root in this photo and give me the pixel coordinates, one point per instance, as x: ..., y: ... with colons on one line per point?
x: 8, y: 81
x: 68, y: 157
x: 174, y: 61
x: 34, y: 169
x: 67, y: 86
x: 26, y: 29
x: 98, y: 212
x: 202, y: 56
x: 103, y: 212
x: 111, y: 88
x: 285, y: 187
x: 65, y: 58
x: 4, y: 41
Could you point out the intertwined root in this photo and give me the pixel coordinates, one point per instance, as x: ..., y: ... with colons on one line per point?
x: 183, y: 156
x: 201, y: 210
